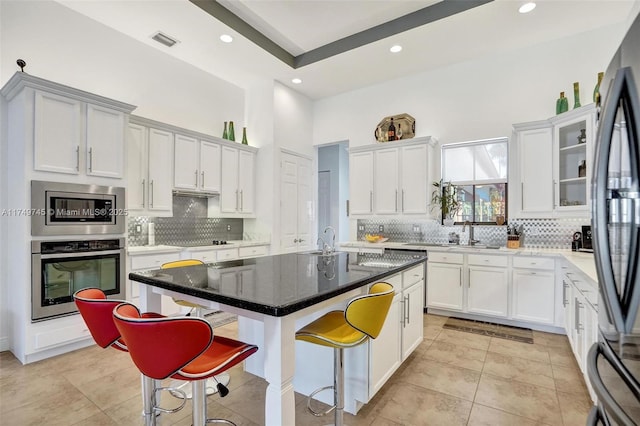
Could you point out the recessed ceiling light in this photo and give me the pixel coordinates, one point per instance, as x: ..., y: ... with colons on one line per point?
x: 164, y: 39
x: 527, y: 7
x: 395, y: 49
x: 296, y: 80
x: 226, y: 38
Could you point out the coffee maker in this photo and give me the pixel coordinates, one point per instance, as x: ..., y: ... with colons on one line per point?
x: 587, y: 241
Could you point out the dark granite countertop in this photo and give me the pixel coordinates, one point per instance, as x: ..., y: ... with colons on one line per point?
x: 282, y: 284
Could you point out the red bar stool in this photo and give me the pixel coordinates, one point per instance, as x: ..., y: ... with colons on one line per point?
x: 97, y: 312
x: 362, y: 319
x: 182, y: 348
x: 214, y: 384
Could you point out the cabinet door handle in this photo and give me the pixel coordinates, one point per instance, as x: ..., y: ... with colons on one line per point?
x: 151, y: 197
x: 196, y: 178
x: 406, y: 309
x: 460, y: 283
x: 402, y: 201
x: 241, y: 200
x: 396, y: 200
x: 553, y: 194
x: 370, y: 201
x: 403, y: 321
x: 236, y: 199
x: 565, y: 286
x: 90, y: 159
x: 202, y: 180
x: 521, y: 195
x: 143, y: 192
x: 78, y: 158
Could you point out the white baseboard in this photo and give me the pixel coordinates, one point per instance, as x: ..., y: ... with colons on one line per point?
x: 504, y: 321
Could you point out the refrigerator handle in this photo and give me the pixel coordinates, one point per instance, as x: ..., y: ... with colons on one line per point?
x: 623, y: 91
x: 612, y: 408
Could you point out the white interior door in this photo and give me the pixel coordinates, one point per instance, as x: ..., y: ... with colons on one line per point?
x: 296, y: 203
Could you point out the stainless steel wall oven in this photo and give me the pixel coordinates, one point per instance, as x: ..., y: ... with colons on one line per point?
x: 60, y: 268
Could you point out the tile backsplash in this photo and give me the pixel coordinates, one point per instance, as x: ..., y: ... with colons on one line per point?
x: 189, y: 226
x: 537, y: 233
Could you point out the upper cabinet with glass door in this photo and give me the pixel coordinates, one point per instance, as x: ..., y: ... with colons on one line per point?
x: 573, y: 134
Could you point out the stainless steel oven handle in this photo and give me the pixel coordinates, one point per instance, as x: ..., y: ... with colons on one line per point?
x: 79, y: 254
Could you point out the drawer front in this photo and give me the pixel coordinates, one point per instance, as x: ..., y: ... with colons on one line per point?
x: 207, y: 256
x: 60, y: 336
x: 486, y: 260
x: 533, y: 262
x: 412, y: 276
x: 227, y: 254
x: 442, y: 257
x: 252, y: 251
x: 154, y: 261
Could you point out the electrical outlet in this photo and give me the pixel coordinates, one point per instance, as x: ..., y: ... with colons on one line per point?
x: 380, y: 228
x: 228, y: 227
x: 361, y: 228
x: 138, y: 229
x: 416, y: 228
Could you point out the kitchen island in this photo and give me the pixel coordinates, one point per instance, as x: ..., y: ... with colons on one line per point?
x: 273, y: 297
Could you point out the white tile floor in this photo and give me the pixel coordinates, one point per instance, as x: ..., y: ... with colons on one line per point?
x: 453, y: 378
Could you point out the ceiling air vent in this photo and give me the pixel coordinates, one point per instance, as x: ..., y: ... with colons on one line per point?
x: 164, y: 39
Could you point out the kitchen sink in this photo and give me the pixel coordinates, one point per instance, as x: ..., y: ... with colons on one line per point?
x: 318, y: 253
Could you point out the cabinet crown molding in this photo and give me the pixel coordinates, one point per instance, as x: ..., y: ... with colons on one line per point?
x: 21, y: 80
x: 430, y: 140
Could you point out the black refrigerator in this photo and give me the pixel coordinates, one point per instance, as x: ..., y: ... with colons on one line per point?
x: 614, y: 361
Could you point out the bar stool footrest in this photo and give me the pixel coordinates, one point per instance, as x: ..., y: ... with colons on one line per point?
x: 177, y: 393
x: 310, y: 398
x: 229, y: 422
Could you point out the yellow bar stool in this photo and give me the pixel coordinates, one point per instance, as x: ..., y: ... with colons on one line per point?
x: 221, y: 380
x: 362, y: 319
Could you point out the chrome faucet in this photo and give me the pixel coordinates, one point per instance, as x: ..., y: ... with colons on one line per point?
x: 330, y: 248
x: 472, y: 241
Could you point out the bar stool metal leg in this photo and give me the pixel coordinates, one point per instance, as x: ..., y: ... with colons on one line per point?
x: 338, y: 385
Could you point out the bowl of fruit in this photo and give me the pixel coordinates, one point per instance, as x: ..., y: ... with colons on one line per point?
x: 372, y: 238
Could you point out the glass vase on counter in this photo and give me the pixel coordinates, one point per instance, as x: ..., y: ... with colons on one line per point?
x: 576, y: 95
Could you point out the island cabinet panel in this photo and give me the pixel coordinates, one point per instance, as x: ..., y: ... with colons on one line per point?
x: 386, y: 354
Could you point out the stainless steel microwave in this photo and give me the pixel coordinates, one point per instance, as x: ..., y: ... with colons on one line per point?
x: 72, y: 209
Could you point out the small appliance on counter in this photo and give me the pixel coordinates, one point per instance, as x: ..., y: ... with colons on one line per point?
x: 586, y: 244
x: 576, y: 244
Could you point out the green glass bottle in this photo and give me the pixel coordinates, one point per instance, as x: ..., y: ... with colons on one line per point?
x: 232, y: 135
x: 596, y: 90
x: 562, y: 104
x: 576, y: 95
x: 224, y: 132
x: 244, y: 136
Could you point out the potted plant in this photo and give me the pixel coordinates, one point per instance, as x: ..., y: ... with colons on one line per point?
x: 446, y: 196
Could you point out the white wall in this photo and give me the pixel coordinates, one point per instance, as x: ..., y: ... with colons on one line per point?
x: 64, y: 46
x: 473, y: 100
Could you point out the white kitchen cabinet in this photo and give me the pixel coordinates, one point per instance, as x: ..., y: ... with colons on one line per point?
x: 534, y: 290
x: 391, y: 180
x: 237, y: 187
x: 105, y: 142
x: 444, y: 285
x: 361, y: 183
x: 554, y: 165
x: 197, y: 164
x: 534, y: 145
x: 403, y: 329
x: 412, y: 323
x: 488, y: 291
x: 74, y: 136
x: 150, y: 162
x: 572, y: 144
